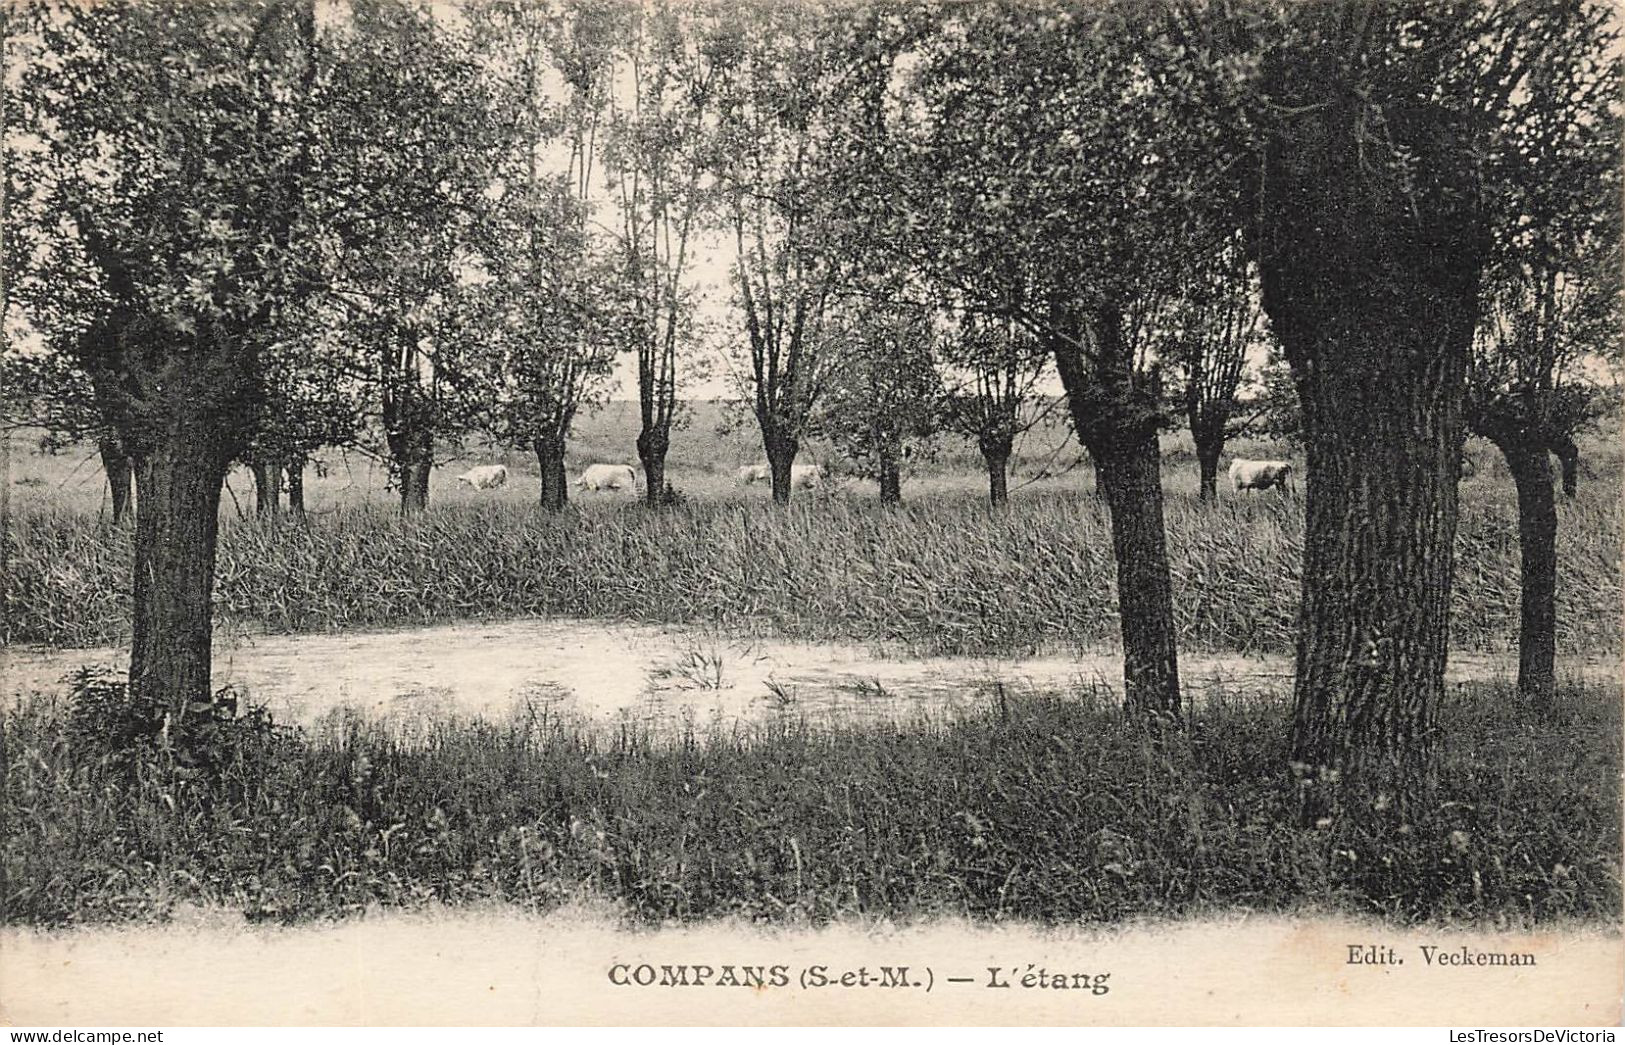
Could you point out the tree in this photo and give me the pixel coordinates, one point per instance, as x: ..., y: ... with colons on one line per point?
x: 549, y: 338
x: 777, y: 107
x: 307, y: 403
x: 1550, y: 312
x: 41, y: 388
x: 1045, y: 167
x: 1366, y: 212
x: 48, y: 280
x: 1001, y: 367
x: 882, y: 392
x: 546, y: 351
x: 175, y: 194
x: 409, y: 138
x: 300, y: 411
x: 1214, y: 321
x: 659, y: 160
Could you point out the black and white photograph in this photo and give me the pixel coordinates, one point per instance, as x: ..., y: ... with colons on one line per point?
x: 744, y: 513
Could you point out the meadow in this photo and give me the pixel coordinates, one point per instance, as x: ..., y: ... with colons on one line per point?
x: 1048, y: 807
x: 941, y: 574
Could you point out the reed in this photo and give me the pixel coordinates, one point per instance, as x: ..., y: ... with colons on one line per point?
x: 943, y: 575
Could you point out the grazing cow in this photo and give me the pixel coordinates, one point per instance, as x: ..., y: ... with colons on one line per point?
x: 485, y: 477
x: 608, y: 477
x: 1260, y: 475
x: 806, y: 476
x: 753, y: 473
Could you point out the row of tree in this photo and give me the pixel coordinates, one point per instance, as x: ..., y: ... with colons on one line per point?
x: 238, y: 227
x: 468, y: 273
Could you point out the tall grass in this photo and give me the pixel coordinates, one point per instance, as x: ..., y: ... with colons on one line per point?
x: 945, y: 575
x: 1051, y: 808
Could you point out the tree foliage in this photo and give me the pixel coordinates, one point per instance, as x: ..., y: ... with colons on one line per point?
x: 882, y: 395
x: 659, y: 159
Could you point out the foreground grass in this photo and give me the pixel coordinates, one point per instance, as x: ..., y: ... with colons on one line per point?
x: 1055, y: 810
x: 942, y: 576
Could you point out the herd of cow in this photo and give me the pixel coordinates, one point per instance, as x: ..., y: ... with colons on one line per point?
x: 595, y: 477
x: 1244, y: 475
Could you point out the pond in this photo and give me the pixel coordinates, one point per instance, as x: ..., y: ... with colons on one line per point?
x: 660, y: 675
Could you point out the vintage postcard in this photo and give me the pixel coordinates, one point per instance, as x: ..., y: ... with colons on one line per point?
x: 870, y: 512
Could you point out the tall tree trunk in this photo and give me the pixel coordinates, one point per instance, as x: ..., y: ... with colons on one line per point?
x: 1568, y: 454
x: 177, y: 521
x: 1116, y: 415
x: 412, y: 454
x: 1132, y: 485
x: 1537, y: 544
x: 781, y: 458
x: 413, y: 480
x: 119, y: 475
x: 1370, y: 280
x: 653, y: 443
x: 890, y: 474
x: 420, y: 483
x: 267, y: 487
x: 296, y: 487
x: 996, y: 455
x: 1209, y: 448
x: 555, y: 483
x: 1380, y: 523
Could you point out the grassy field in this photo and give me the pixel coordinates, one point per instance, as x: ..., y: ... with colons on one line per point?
x: 1050, y: 809
x: 943, y: 575
x: 714, y: 442
x: 946, y: 575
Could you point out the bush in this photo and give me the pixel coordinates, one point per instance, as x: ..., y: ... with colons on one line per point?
x: 124, y: 736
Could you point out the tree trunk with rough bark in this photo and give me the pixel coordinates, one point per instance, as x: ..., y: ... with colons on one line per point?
x: 420, y: 484
x: 996, y: 455
x: 1209, y: 448
x: 296, y: 487
x: 1371, y: 283
x: 412, y: 455
x: 781, y: 458
x: 120, y: 474
x: 177, y: 519
x: 1116, y: 415
x: 1132, y: 486
x: 1537, y: 545
x: 267, y: 487
x: 653, y: 444
x: 891, y: 479
x: 555, y: 482
x: 1380, y: 522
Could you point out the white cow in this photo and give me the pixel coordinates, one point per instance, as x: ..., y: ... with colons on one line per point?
x: 1260, y: 475
x: 608, y: 477
x: 806, y: 476
x: 753, y: 473
x: 485, y: 477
